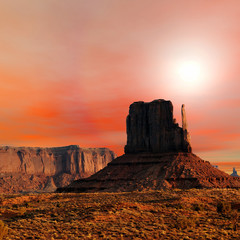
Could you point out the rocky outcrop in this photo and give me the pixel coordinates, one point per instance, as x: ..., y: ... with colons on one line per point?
x: 62, y: 164
x: 144, y: 171
x: 152, y: 128
x: 50, y: 185
x: 157, y: 155
x: 234, y: 173
x: 186, y: 135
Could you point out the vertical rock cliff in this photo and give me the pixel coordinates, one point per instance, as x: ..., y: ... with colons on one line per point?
x: 52, y: 161
x: 186, y: 135
x: 152, y: 128
x: 31, y: 167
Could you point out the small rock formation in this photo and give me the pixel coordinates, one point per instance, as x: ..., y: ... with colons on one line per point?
x: 186, y: 135
x: 28, y: 168
x: 234, y: 174
x: 157, y: 155
x: 152, y: 128
x: 50, y: 185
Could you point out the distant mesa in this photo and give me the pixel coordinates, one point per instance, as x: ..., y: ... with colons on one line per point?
x: 158, y: 155
x: 24, y: 169
x: 234, y: 173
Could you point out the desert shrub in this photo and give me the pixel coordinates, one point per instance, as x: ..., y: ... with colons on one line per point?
x: 15, y: 206
x: 176, y: 206
x: 185, y: 222
x: 161, y: 223
x: 1, y: 199
x: 224, y: 207
x: 3, y: 230
x: 198, y: 207
x: 179, y: 206
x: 234, y: 220
x: 58, y: 205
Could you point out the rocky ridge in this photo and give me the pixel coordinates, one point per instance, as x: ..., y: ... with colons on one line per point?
x: 35, y: 169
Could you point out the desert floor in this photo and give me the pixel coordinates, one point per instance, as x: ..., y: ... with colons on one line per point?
x: 166, y: 214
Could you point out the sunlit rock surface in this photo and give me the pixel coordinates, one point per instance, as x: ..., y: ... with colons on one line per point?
x: 23, y: 165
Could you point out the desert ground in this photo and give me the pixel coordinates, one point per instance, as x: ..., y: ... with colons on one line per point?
x: 165, y: 214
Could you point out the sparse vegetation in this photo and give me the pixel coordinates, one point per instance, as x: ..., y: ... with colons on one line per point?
x: 224, y: 207
x: 3, y: 229
x: 183, y: 222
x: 198, y: 207
x: 169, y: 214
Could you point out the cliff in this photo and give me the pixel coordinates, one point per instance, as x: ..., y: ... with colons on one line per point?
x: 152, y: 128
x: 64, y: 164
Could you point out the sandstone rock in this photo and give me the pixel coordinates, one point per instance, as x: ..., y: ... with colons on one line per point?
x: 157, y: 155
x: 72, y: 161
x: 234, y: 173
x: 21, y: 182
x: 184, y: 118
x: 52, y: 161
x: 152, y: 128
x: 50, y: 185
x: 153, y: 171
x: 186, y: 135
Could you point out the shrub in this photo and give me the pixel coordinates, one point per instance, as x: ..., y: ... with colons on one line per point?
x: 185, y: 222
x: 3, y: 230
x: 15, y: 206
x: 224, y: 207
x: 198, y: 207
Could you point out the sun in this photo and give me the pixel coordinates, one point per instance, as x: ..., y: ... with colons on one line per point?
x: 189, y: 71
x: 188, y: 76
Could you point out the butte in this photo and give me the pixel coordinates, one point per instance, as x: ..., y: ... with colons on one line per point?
x: 158, y: 155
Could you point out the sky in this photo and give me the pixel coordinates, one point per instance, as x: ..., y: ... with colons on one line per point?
x: 70, y: 69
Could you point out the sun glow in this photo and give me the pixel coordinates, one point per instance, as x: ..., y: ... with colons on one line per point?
x: 190, y: 75
x: 189, y: 71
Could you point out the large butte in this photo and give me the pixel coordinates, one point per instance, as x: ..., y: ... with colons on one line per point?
x: 158, y: 155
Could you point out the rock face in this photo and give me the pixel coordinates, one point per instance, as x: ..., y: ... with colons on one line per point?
x: 157, y: 155
x: 63, y: 164
x: 143, y: 171
x: 50, y: 185
x: 234, y: 173
x: 152, y: 128
x: 186, y: 135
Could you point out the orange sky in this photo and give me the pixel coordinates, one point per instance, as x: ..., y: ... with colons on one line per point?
x: 70, y: 69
